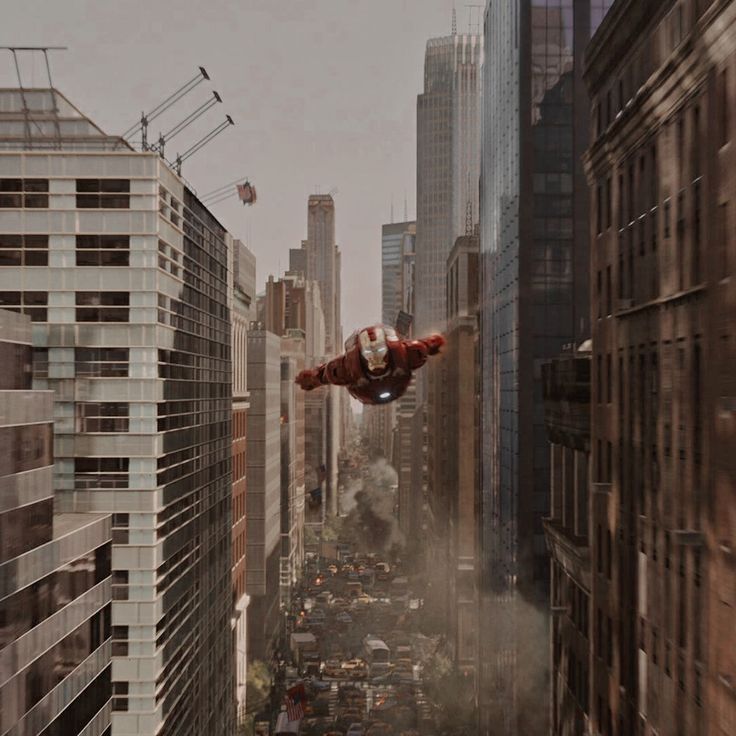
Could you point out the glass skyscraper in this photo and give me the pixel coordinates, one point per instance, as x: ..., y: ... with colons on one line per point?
x: 534, y: 301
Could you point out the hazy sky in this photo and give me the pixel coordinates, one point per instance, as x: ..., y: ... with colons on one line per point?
x: 323, y: 93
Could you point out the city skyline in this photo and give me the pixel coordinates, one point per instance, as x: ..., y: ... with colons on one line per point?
x: 529, y: 529
x: 311, y: 61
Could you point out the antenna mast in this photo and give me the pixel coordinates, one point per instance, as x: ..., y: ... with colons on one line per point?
x: 454, y: 20
x: 26, y: 111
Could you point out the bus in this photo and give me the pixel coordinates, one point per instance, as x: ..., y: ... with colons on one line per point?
x: 377, y: 655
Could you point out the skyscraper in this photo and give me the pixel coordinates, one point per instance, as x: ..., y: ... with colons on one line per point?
x: 55, y: 586
x: 534, y: 301
x: 263, y: 499
x: 323, y: 266
x: 448, y: 143
x: 243, y: 296
x: 396, y: 239
x: 125, y: 275
x: 663, y: 523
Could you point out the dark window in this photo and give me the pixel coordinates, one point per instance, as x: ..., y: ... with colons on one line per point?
x: 697, y: 226
x: 27, y: 250
x: 102, y: 417
x: 609, y: 379
x: 103, y: 193
x: 723, y: 108
x: 101, y: 362
x: 666, y: 216
x: 100, y: 473
x: 103, y: 250
x: 102, y: 306
x: 32, y: 303
x: 16, y: 193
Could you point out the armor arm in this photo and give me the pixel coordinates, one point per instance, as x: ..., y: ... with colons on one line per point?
x: 335, y: 372
x: 419, y: 350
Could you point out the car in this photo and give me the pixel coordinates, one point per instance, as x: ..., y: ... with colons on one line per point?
x: 344, y: 618
x: 356, y: 729
x: 332, y: 668
x: 355, y: 668
x: 318, y: 685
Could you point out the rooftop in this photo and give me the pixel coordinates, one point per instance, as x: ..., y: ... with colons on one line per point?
x: 43, y: 119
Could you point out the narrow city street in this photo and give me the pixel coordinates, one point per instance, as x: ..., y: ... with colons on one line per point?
x: 357, y: 652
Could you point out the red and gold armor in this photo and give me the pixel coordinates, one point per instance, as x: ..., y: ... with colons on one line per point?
x: 376, y: 367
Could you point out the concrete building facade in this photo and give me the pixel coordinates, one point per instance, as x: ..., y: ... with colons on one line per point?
x: 242, y: 307
x: 566, y: 387
x: 125, y: 276
x: 453, y: 512
x: 396, y: 240
x: 661, y: 172
x: 263, y: 498
x: 55, y: 580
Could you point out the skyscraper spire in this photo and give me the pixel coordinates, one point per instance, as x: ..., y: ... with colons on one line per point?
x: 454, y: 20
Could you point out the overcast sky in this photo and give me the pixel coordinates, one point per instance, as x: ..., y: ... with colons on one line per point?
x: 323, y: 93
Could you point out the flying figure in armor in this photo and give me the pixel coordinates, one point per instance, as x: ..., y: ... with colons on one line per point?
x: 376, y: 367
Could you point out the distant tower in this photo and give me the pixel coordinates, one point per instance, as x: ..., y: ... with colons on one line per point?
x: 454, y: 21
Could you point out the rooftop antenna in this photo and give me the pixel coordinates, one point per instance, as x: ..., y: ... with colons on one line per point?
x: 202, y: 142
x: 26, y: 111
x: 172, y: 99
x: 392, y: 209
x: 406, y: 209
x: 454, y: 20
x: 477, y: 9
x: 163, y: 138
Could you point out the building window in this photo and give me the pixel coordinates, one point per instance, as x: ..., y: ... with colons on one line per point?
x: 609, y: 554
x: 103, y: 194
x: 666, y: 216
x: 32, y: 303
x: 102, y: 417
x: 24, y: 250
x: 100, y: 473
x: 103, y: 250
x: 609, y: 379
x: 723, y: 111
x: 101, y: 362
x: 723, y: 238
x: 609, y: 204
x: 102, y: 306
x: 30, y: 193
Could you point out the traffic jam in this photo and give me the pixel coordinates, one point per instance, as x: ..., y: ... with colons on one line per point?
x: 355, y: 652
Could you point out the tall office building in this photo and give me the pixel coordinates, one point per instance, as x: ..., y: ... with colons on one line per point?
x: 397, y: 238
x: 292, y: 306
x: 663, y: 528
x: 242, y: 307
x: 263, y: 497
x: 55, y: 585
x: 292, y: 464
x: 566, y: 391
x: 448, y: 143
x: 534, y: 301
x: 323, y: 261
x: 453, y: 508
x: 125, y: 276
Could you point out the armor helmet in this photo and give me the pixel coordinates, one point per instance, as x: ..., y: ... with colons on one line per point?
x: 374, y: 350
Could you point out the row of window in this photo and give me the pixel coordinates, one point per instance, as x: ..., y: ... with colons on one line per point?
x: 90, y: 193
